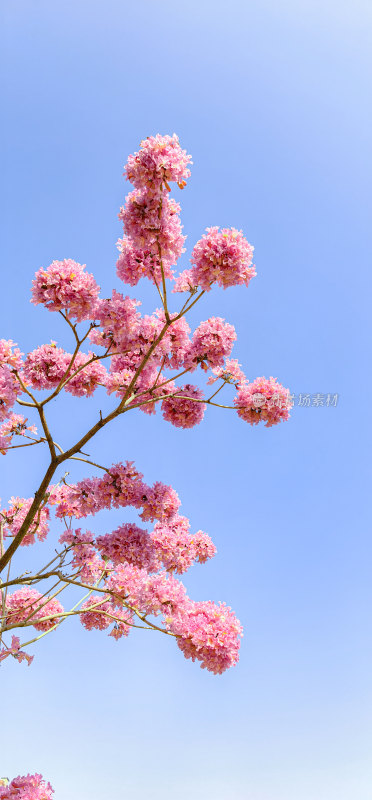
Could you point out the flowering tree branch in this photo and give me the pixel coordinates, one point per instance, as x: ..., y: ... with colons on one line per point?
x: 130, y: 574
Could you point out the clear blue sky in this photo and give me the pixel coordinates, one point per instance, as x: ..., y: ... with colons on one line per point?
x: 273, y: 101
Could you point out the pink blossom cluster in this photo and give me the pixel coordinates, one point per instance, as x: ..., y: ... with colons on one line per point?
x: 49, y: 365
x: 159, y: 161
x: 185, y: 409
x: 15, y: 425
x: 131, y: 544
x: 85, y: 559
x: 28, y: 605
x: 10, y: 360
x: 263, y: 399
x: 223, y: 257
x: 153, y: 240
x: 119, y: 322
x: 121, y: 486
x: 14, y: 517
x: 205, y: 631
x: 229, y: 372
x: 65, y: 286
x: 153, y: 225
x: 100, y: 611
x: 212, y: 341
x: 26, y: 787
x: 177, y: 549
x: 209, y: 633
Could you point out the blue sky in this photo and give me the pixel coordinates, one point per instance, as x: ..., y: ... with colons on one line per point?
x: 272, y: 100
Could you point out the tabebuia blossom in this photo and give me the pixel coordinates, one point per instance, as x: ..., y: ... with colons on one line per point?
x: 65, y: 286
x: 212, y: 341
x: 154, y: 226
x: 49, y: 365
x: 84, y: 557
x: 159, y: 161
x: 10, y: 360
x: 223, y: 257
x: 229, y: 372
x: 184, y: 410
x: 28, y: 605
x: 131, y: 544
x: 159, y: 502
x: 15, y: 425
x: 118, y: 322
x: 185, y: 282
x: 209, y: 633
x: 177, y: 549
x: 26, y: 787
x: 135, y: 263
x: 14, y: 517
x: 263, y: 399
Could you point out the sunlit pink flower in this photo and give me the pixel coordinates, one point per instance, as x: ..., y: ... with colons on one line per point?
x: 264, y: 399
x: 65, y: 286
x: 223, y: 257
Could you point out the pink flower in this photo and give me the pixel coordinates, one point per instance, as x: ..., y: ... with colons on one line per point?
x: 185, y: 282
x: 177, y: 549
x: 223, y: 257
x: 10, y: 355
x: 27, y: 787
x: 45, y: 367
x: 184, y: 410
x: 230, y: 372
x: 16, y: 425
x: 130, y: 544
x: 209, y: 633
x: 84, y: 555
x: 29, y: 605
x: 15, y: 651
x: 212, y: 341
x: 10, y: 359
x: 95, y: 612
x: 15, y: 515
x: 86, y: 381
x: 159, y: 502
x: 159, y: 160
x: 176, y: 341
x: 65, y: 286
x: 119, y: 320
x: 153, y: 226
x: 264, y: 399
x: 135, y: 263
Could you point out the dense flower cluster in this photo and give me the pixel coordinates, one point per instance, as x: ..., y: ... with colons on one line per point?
x: 49, y: 365
x: 130, y: 544
x: 28, y: 605
x: 223, y: 257
x: 177, y: 549
x: 14, y: 517
x: 184, y: 410
x: 264, y: 399
x: 209, y: 633
x: 155, y: 227
x: 65, y: 286
x: 211, y: 343
x: 159, y: 161
x: 26, y: 787
x: 85, y: 558
x: 10, y: 360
